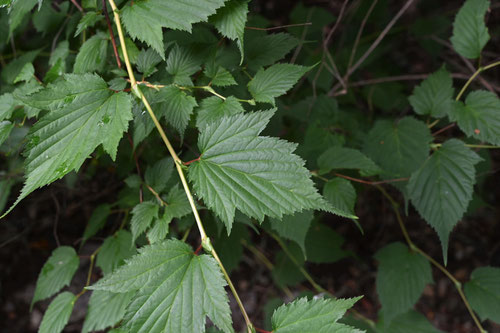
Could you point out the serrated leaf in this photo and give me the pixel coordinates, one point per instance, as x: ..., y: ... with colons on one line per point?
x: 88, y: 21
x: 258, y: 175
x: 213, y: 108
x: 176, y: 106
x: 158, y: 174
x: 219, y: 75
x: 266, y: 50
x: 147, y: 60
x: 58, y: 313
x: 96, y: 222
x: 61, y: 52
x: 398, y: 148
x: 176, y: 290
x: 434, y: 96
x: 401, y: 278
x: 230, y: 21
x: 470, y: 33
x: 324, y: 245
x: 84, y: 114
x: 92, y: 54
x: 17, y: 12
x: 315, y: 316
x: 442, y: 188
x: 5, y: 129
x: 114, y: 251
x: 483, y: 292
x: 13, y: 68
x: 341, y: 194
x: 142, y: 216
x: 26, y: 73
x: 181, y: 64
x: 347, y: 158
x: 411, y: 321
x: 144, y: 20
x: 56, y: 273
x: 479, y: 117
x: 275, y: 81
x: 7, y: 105
x: 294, y: 227
x: 105, y: 309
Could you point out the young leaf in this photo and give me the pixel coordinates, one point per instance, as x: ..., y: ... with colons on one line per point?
x: 58, y: 313
x: 105, y: 309
x: 401, y: 279
x: 315, y: 316
x: 213, y: 108
x: 181, y: 64
x: 340, y: 193
x: 26, y: 73
x: 144, y: 20
x: 56, y: 273
x: 88, y: 21
x: 114, y: 251
x: 96, y: 221
x: 92, y: 54
x: 219, y: 75
x: 470, y: 33
x: 442, y: 188
x: 479, y: 116
x: 275, y: 81
x: 7, y: 105
x: 294, y: 227
x: 434, y: 96
x: 5, y: 129
x: 399, y: 149
x: 84, y: 114
x: 483, y: 292
x: 266, y: 50
x: 176, y: 106
x: 147, y: 60
x: 176, y: 290
x: 347, y: 158
x: 256, y: 174
x: 142, y: 216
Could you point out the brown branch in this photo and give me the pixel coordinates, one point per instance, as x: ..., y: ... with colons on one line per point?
x: 368, y: 182
x: 111, y: 34
x: 77, y: 5
x: 443, y: 129
x: 279, y: 27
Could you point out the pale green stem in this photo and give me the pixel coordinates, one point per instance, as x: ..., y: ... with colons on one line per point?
x: 478, y: 71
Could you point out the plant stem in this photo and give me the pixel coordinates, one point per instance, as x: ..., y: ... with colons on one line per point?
x: 178, y: 162
x: 478, y: 71
x: 413, y: 247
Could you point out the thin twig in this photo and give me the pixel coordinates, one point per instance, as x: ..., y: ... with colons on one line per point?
x: 280, y: 27
x: 302, y: 38
x: 443, y: 129
x: 367, y: 182
x: 337, y: 22
x: 360, y: 32
x: 409, y: 77
x: 77, y: 5
x: 111, y: 34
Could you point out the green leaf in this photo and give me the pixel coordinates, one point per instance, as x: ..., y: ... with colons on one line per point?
x: 442, y: 188
x: 213, y: 108
x: 411, y: 321
x: 58, y: 313
x: 176, y: 106
x: 17, y: 12
x: 483, y: 292
x: 230, y: 248
x: 142, y: 216
x: 256, y: 174
x: 341, y: 194
x: 266, y: 50
x: 398, y: 148
x: 7, y: 105
x: 5, y: 129
x: 401, y: 279
x: 275, y: 81
x: 158, y: 175
x: 114, y: 251
x: 315, y: 316
x: 181, y: 64
x: 176, y: 290
x: 347, y: 158
x: 105, y: 309
x: 12, y: 69
x: 96, y: 222
x: 294, y: 227
x: 286, y: 272
x: 147, y: 61
x: 219, y: 75
x: 92, y: 54
x: 470, y: 33
x: 88, y: 21
x: 230, y: 21
x: 26, y: 73
x: 84, y: 114
x: 61, y: 52
x: 324, y: 245
x: 434, y: 96
x: 144, y: 20
x: 479, y: 117
x: 56, y: 273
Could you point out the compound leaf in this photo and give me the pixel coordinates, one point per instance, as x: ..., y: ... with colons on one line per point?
x: 275, y: 81
x: 176, y: 289
x: 144, y: 20
x: 347, y: 158
x: 56, y: 273
x: 442, y: 188
x: 434, y: 96
x: 256, y: 174
x: 58, y: 313
x: 315, y: 316
x: 483, y: 292
x: 470, y: 33
x: 401, y: 279
x: 479, y: 117
x: 105, y: 309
